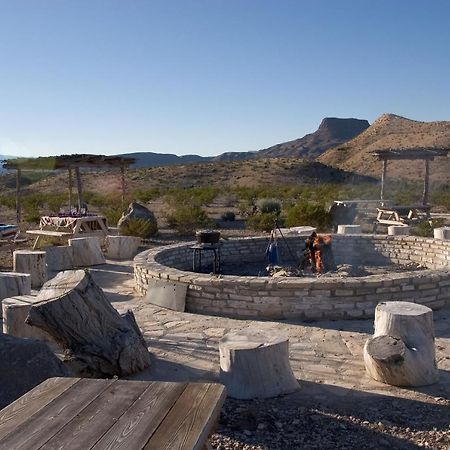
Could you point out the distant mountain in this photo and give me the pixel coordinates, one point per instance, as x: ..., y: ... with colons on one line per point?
x: 150, y: 159
x: 390, y: 131
x: 331, y: 132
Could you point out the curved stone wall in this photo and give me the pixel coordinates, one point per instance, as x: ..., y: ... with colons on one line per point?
x: 306, y: 298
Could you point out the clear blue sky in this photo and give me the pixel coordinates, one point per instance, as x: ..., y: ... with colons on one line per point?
x: 208, y: 76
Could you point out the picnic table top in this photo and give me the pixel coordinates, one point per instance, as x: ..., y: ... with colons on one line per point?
x: 81, y: 413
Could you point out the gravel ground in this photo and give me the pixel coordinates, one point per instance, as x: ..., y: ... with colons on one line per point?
x: 376, y: 422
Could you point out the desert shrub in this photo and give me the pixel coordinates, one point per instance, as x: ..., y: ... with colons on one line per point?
x: 186, y: 219
x: 139, y: 227
x: 147, y: 194
x: 9, y: 201
x: 197, y: 197
x: 113, y: 214
x: 228, y: 216
x: 263, y: 221
x: 308, y: 213
x: 269, y: 205
x: 31, y: 215
x: 246, y: 208
x: 426, y: 228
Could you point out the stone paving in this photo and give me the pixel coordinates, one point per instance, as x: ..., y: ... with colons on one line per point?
x: 326, y: 356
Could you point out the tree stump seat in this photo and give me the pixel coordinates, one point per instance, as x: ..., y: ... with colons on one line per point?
x: 122, y: 247
x: 32, y: 262
x: 255, y: 364
x: 15, y: 311
x: 86, y: 251
x: 401, y: 352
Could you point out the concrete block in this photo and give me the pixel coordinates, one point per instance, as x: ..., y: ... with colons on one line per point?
x: 399, y: 230
x: 349, y: 229
x: 442, y: 233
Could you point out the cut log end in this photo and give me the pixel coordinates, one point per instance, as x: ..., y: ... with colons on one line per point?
x: 386, y: 349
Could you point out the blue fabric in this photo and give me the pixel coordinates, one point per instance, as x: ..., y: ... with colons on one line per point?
x: 272, y: 254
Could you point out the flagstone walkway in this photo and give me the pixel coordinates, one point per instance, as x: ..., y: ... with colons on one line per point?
x: 325, y: 356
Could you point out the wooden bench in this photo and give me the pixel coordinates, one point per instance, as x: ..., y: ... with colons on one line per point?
x: 97, y: 414
x: 48, y: 233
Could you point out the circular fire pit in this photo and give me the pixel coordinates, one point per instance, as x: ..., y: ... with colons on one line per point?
x: 307, y: 298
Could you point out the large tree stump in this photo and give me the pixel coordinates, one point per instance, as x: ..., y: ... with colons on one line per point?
x: 122, y: 247
x: 99, y: 342
x: 401, y: 351
x: 254, y: 364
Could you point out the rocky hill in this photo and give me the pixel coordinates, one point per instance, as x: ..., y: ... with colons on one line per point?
x: 331, y: 132
x: 390, y: 131
x: 151, y: 159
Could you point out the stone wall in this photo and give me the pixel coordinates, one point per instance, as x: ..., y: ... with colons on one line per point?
x: 306, y: 298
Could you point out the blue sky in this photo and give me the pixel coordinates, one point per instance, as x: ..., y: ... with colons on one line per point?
x: 208, y: 76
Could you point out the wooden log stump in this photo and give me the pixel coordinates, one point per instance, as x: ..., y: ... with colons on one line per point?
x: 349, y: 229
x: 255, y: 364
x: 122, y: 247
x: 86, y: 251
x: 98, y: 341
x: 32, y: 262
x: 401, y: 351
x: 399, y: 230
x: 15, y: 312
x: 12, y: 284
x: 59, y: 258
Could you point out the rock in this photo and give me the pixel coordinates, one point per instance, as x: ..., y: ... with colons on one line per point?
x: 25, y: 364
x: 137, y: 211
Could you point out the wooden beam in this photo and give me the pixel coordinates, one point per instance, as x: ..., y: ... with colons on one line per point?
x: 426, y: 183
x: 123, y: 184
x: 18, y: 205
x: 79, y: 188
x: 383, y: 179
x: 70, y: 190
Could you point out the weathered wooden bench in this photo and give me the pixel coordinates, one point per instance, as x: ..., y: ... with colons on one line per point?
x: 82, y: 413
x: 48, y: 233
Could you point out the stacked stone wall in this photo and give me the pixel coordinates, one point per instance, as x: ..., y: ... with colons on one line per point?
x: 306, y: 298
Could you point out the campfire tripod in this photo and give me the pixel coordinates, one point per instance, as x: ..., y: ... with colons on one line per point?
x: 276, y: 227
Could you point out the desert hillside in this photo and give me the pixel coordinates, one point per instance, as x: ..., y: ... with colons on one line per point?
x: 251, y: 173
x: 331, y: 132
x: 393, y: 132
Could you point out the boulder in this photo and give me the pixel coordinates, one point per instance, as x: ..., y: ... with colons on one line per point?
x: 137, y: 211
x: 25, y: 364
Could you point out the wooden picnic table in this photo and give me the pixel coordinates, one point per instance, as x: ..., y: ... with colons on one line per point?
x: 70, y: 226
x: 82, y: 413
x: 403, y: 215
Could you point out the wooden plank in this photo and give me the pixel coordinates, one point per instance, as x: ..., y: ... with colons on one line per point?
x: 32, y: 402
x: 51, y: 418
x: 49, y: 233
x: 191, y: 420
x: 84, y: 430
x: 135, y: 427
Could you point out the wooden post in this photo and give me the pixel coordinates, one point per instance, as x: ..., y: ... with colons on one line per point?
x: 70, y: 190
x: 18, y: 206
x: 426, y: 182
x: 383, y: 179
x: 122, y: 182
x: 79, y: 189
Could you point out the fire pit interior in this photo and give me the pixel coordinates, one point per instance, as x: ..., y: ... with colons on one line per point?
x: 369, y: 269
